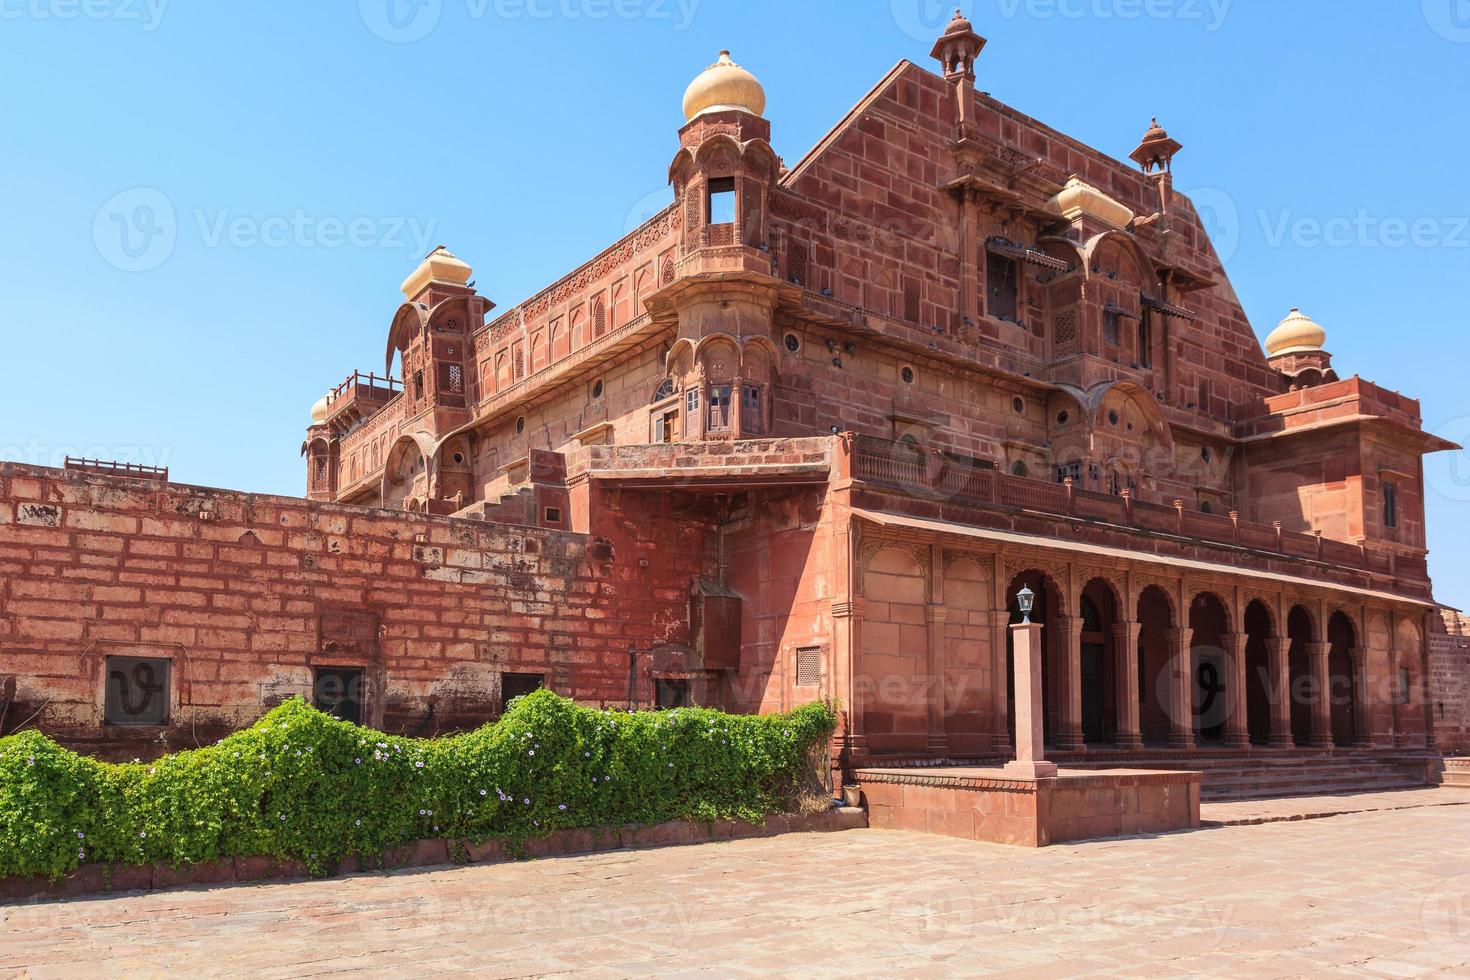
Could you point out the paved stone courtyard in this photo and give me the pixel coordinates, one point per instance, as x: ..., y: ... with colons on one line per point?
x: 1384, y: 894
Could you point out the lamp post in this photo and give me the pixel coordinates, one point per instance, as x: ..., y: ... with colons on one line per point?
x: 1025, y: 601
x: 1026, y: 655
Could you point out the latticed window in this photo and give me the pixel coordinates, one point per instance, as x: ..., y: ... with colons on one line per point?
x: 599, y: 318
x: 808, y: 666
x: 667, y: 275
x: 453, y: 379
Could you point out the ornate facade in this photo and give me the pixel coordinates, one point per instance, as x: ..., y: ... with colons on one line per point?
x: 947, y: 353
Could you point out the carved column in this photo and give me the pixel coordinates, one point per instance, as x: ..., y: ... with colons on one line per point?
x: 1280, y: 650
x: 1237, y: 732
x: 1322, y: 695
x: 1125, y: 660
x: 1181, y: 690
x: 1069, y: 731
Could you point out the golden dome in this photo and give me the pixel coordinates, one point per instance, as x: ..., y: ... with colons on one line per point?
x: 440, y: 265
x: 1295, y: 334
x: 321, y: 409
x: 724, y: 85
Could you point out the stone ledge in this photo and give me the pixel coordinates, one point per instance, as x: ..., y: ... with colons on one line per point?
x: 98, y: 879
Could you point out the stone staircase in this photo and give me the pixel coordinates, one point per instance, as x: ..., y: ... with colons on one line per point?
x: 1277, y: 774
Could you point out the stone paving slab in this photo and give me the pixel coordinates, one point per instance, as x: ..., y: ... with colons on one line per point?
x: 1379, y: 894
x: 1237, y: 812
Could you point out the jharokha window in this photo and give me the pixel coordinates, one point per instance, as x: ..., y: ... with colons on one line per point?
x: 719, y: 408
x: 752, y: 418
x: 1002, y: 287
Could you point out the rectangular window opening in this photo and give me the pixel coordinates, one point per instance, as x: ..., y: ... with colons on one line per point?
x: 670, y: 693
x: 722, y: 200
x: 1001, y: 287
x: 338, y: 691
x: 513, y: 686
x: 137, y: 691
x: 1390, y: 505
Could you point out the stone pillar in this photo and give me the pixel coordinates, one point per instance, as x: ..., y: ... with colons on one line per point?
x: 1280, y: 650
x: 1000, y: 734
x: 1361, y: 709
x: 1125, y: 661
x: 1026, y: 639
x: 934, y: 694
x: 1237, y: 731
x: 1069, y: 729
x: 1181, y: 690
x: 1321, y: 702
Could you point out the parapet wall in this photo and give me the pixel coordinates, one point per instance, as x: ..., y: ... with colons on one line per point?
x: 247, y: 595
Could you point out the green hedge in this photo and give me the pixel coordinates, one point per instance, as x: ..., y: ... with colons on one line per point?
x: 302, y: 785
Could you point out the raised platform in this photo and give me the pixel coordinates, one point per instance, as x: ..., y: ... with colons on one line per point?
x: 989, y: 804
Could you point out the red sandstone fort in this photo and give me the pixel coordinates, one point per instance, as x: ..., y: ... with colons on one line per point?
x: 802, y: 435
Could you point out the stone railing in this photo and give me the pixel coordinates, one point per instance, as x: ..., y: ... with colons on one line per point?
x: 916, y: 471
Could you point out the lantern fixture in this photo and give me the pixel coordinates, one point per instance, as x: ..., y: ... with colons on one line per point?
x: 1025, y: 600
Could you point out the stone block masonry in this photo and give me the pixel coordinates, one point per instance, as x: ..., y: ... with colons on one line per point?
x: 249, y: 598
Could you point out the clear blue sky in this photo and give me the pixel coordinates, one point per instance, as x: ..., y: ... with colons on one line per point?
x: 283, y: 165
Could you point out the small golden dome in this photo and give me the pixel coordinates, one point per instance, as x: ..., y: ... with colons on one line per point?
x: 1296, y: 334
x: 321, y: 409
x: 440, y: 265
x: 724, y: 85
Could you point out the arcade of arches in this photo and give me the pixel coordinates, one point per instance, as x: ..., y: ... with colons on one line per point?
x: 1133, y: 659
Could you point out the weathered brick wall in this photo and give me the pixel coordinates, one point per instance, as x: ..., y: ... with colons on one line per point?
x: 1449, y: 681
x: 247, y: 593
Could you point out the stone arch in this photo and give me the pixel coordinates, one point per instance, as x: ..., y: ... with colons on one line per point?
x: 1157, y: 620
x: 1209, y: 671
x: 1100, y: 607
x: 1259, y: 624
x: 406, y: 470
x: 715, y: 344
x: 1343, y: 682
x: 1116, y: 256
x: 1301, y: 632
x: 408, y: 321
x: 1050, y: 611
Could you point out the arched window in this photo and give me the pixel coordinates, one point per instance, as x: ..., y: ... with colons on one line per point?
x: 1018, y: 468
x: 599, y: 318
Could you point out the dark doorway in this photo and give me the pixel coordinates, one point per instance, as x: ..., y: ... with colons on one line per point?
x: 1258, y: 672
x: 1342, y: 680
x: 1209, y: 677
x: 1155, y: 621
x: 1302, y: 687
x: 1098, y: 609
